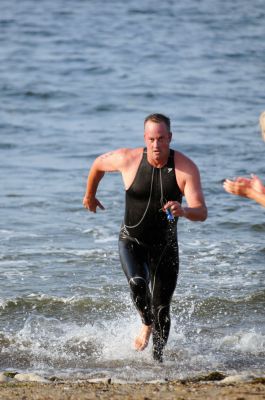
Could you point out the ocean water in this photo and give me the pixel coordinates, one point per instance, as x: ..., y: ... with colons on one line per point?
x: 77, y: 79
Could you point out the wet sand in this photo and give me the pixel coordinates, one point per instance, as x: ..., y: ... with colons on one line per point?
x: 177, y: 390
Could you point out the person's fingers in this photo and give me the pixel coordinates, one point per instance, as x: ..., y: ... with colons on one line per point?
x: 101, y: 206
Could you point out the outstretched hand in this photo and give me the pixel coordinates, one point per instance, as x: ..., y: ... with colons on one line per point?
x: 237, y: 187
x: 244, y: 186
x: 91, y: 203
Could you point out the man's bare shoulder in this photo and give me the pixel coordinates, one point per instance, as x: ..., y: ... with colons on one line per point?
x: 129, y: 151
x: 121, y: 153
x: 129, y: 155
x: 119, y: 160
x: 181, y: 161
x: 188, y: 177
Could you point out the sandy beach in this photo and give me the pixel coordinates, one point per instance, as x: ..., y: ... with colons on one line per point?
x: 180, y: 390
x: 143, y: 391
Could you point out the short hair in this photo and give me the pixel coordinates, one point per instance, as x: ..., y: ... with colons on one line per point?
x: 158, y: 118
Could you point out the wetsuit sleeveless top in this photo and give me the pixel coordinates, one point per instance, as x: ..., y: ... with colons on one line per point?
x: 152, y: 187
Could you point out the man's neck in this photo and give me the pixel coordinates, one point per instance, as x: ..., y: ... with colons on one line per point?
x: 158, y: 162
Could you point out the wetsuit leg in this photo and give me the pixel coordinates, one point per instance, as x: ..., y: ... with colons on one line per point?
x: 164, y: 266
x: 133, y: 261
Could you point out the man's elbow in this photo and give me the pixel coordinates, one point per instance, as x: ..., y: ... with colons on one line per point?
x: 204, y: 214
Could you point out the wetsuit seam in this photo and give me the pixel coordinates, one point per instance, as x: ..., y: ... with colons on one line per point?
x: 160, y: 308
x: 156, y: 269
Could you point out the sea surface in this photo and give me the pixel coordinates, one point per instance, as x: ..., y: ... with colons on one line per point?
x: 77, y: 79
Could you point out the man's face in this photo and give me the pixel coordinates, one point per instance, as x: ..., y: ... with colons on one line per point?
x: 157, y: 140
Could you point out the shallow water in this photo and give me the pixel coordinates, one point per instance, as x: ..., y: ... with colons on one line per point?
x: 77, y: 81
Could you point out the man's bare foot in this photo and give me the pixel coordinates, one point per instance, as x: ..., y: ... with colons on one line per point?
x: 141, y: 341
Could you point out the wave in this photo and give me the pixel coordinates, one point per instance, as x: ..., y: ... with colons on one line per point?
x: 14, y: 91
x: 251, y: 342
x: 105, y: 348
x: 258, y: 227
x: 7, y: 146
x: 111, y: 301
x: 213, y: 305
x: 75, y: 307
x: 107, y: 107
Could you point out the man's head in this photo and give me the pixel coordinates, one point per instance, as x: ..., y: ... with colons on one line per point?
x: 158, y: 118
x: 157, y: 137
x: 262, y: 124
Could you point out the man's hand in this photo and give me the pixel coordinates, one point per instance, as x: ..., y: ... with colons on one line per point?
x: 91, y: 203
x: 175, y: 208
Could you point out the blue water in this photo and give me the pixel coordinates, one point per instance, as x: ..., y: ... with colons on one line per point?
x: 77, y: 79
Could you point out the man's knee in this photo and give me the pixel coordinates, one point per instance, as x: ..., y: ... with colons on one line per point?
x: 138, y: 286
x: 161, y: 313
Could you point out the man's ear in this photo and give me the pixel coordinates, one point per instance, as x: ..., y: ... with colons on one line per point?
x: 170, y: 136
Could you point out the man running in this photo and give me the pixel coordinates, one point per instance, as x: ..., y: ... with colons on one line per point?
x: 155, y: 179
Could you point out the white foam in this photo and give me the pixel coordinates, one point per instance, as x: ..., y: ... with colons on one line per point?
x: 3, y: 303
x: 67, y: 344
x: 106, y: 347
x: 106, y: 239
x: 10, y: 234
x: 244, y: 342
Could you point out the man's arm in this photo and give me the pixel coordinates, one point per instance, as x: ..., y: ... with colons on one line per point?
x: 196, y: 210
x: 188, y: 178
x: 108, y: 162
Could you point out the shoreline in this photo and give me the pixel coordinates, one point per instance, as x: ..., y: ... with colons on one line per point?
x: 216, y: 387
x: 140, y: 391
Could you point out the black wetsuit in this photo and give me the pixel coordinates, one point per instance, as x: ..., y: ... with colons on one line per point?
x: 148, y: 246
